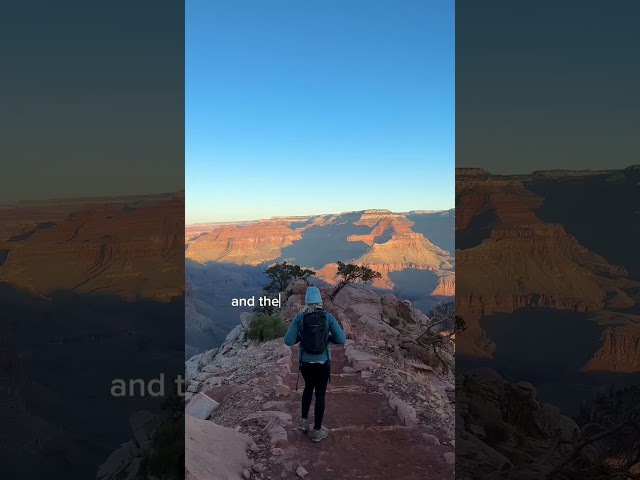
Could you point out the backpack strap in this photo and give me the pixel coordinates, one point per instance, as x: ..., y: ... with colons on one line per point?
x: 301, y: 324
x: 326, y: 319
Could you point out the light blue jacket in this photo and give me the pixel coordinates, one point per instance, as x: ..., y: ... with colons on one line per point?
x: 336, y: 335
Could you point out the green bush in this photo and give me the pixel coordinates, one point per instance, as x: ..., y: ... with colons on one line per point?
x: 267, y: 327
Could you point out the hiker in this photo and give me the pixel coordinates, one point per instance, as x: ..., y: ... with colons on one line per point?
x: 314, y: 328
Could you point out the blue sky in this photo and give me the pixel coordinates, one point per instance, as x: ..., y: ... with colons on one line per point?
x: 298, y: 107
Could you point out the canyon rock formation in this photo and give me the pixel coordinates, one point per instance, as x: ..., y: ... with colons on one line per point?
x: 525, y: 241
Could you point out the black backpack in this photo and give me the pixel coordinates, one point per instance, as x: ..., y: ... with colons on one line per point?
x: 314, y: 332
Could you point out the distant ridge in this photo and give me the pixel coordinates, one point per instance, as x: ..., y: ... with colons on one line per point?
x: 97, y: 199
x: 299, y: 218
x: 559, y: 172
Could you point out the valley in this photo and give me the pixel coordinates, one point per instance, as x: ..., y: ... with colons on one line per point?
x: 411, y: 250
x: 548, y: 262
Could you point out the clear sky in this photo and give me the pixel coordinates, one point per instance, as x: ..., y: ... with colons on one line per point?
x: 302, y: 107
x: 547, y: 85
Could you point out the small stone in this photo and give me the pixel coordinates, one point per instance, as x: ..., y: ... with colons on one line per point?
x: 254, y: 448
x: 246, y: 474
x: 301, y: 472
x: 282, y: 390
x: 431, y: 439
x: 275, y: 405
x: 277, y: 451
x: 278, y: 436
x: 450, y: 457
x: 453, y: 443
x: 259, y: 468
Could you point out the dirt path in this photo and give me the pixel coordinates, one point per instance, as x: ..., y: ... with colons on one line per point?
x: 366, y: 440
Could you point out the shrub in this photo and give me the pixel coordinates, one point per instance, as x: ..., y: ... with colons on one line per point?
x: 267, y: 327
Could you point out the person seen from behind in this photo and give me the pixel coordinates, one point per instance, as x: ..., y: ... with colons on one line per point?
x: 314, y: 328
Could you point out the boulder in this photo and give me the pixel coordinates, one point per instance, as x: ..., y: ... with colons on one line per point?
x: 372, y: 310
x: 378, y: 324
x: 351, y: 295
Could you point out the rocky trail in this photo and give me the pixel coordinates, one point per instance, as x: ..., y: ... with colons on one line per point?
x: 390, y: 416
x: 367, y: 438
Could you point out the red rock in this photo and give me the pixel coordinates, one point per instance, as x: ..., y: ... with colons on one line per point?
x: 110, y: 246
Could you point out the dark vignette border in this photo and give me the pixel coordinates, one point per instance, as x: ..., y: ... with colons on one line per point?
x: 91, y: 238
x: 547, y: 201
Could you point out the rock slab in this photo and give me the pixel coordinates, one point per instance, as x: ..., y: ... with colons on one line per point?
x: 201, y: 406
x: 208, y: 444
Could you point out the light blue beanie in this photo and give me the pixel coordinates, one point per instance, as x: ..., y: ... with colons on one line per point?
x: 312, y: 296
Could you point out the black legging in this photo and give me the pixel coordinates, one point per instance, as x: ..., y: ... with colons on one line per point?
x: 316, y: 376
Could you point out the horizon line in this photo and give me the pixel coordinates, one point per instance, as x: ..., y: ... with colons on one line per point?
x: 277, y: 217
x: 96, y: 198
x: 551, y: 170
